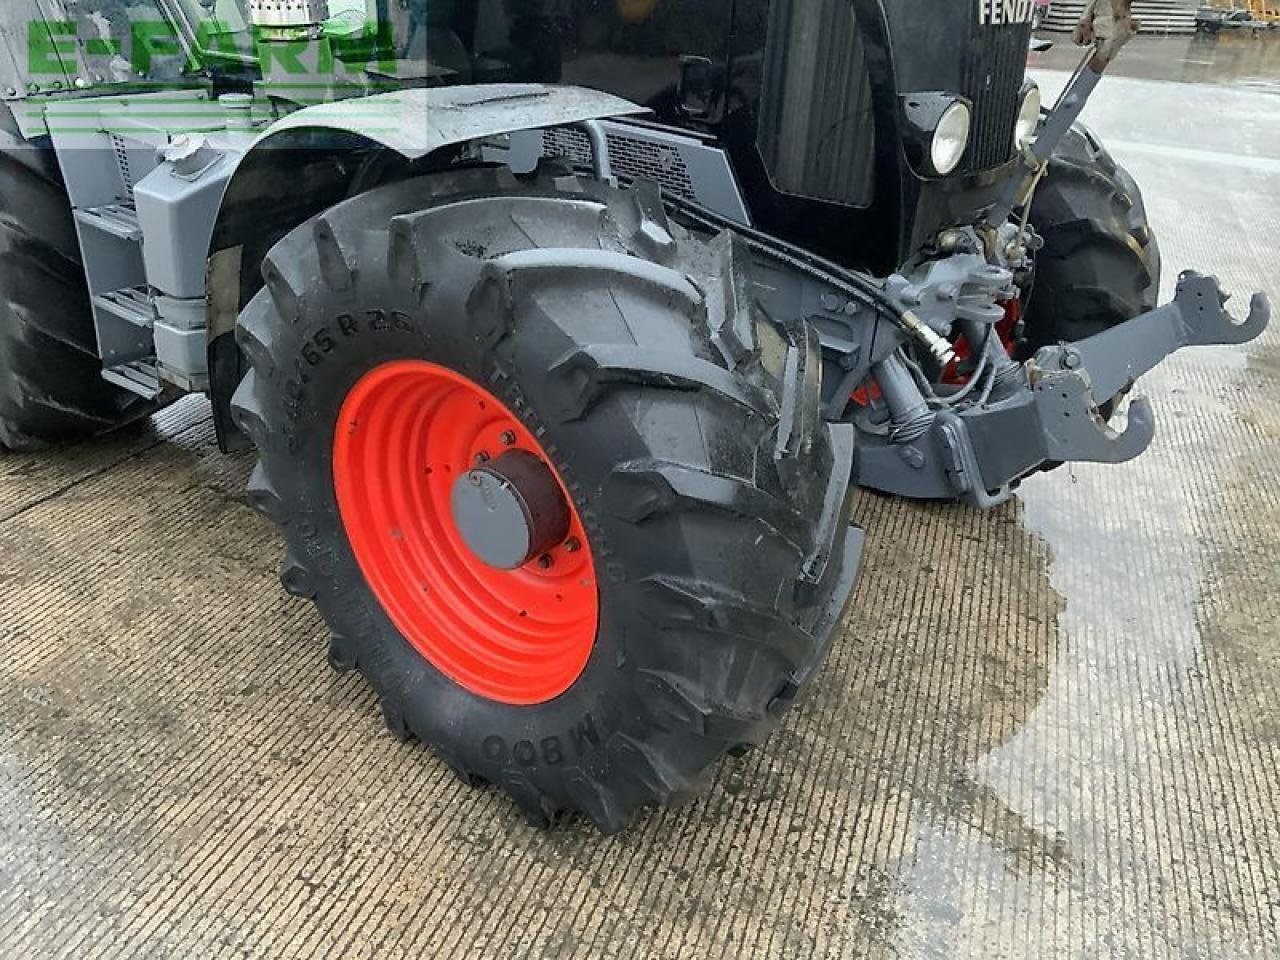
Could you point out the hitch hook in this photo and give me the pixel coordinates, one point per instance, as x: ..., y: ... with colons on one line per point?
x: 1204, y: 319
x: 1074, y: 429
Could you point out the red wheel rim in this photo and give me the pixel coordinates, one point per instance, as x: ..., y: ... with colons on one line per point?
x: 407, y: 431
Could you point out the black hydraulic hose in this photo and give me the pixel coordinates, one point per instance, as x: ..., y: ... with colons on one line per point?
x: 859, y: 287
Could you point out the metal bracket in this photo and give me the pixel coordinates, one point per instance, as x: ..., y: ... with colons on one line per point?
x: 1072, y: 428
x: 1119, y: 356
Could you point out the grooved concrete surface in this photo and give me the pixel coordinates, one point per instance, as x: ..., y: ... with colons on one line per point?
x: 1048, y: 731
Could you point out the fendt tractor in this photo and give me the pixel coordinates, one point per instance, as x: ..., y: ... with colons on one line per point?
x: 565, y: 329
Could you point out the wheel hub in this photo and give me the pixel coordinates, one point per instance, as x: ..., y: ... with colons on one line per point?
x: 510, y: 511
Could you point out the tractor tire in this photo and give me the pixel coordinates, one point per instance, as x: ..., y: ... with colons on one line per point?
x: 1100, y: 264
x: 410, y: 341
x: 51, y: 386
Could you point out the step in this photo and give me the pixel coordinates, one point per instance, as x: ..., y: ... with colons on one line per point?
x: 118, y: 219
x: 140, y: 377
x: 132, y: 304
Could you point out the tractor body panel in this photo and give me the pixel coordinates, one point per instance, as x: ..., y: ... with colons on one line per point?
x: 152, y: 181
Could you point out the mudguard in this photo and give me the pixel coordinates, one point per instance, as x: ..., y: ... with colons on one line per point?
x: 417, y: 122
x: 301, y: 166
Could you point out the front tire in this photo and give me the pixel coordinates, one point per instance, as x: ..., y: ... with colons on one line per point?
x: 1100, y: 264
x: 683, y: 429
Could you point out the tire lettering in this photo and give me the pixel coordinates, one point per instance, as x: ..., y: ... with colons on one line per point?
x: 378, y: 320
x: 526, y: 754
x: 549, y: 751
x: 348, y: 325
x: 583, y: 733
x: 552, y: 752
x: 324, y: 340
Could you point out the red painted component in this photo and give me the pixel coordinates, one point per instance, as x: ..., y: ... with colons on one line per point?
x: 866, y: 395
x: 1006, y: 330
x: 407, y: 430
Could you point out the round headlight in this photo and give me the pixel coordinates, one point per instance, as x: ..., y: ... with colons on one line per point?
x: 950, y: 138
x: 1028, y: 117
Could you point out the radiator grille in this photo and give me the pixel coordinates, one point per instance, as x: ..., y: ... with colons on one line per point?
x: 993, y: 80
x: 631, y: 157
x: 817, y: 126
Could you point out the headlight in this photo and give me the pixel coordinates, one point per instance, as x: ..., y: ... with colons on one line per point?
x: 950, y: 138
x: 1028, y: 117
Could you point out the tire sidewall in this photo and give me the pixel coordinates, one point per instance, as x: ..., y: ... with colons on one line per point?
x: 330, y: 349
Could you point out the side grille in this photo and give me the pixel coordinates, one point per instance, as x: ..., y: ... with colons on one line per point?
x: 121, y: 148
x: 631, y: 156
x: 993, y: 77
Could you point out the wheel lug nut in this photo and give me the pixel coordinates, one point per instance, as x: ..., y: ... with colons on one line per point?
x: 482, y: 457
x: 572, y: 545
x: 508, y: 438
x: 545, y: 561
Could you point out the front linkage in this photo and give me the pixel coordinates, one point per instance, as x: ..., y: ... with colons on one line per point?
x: 972, y: 441
x: 1043, y: 411
x: 891, y: 346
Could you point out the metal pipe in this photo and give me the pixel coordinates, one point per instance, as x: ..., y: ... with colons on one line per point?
x: 1056, y: 125
x: 909, y: 412
x: 601, y: 163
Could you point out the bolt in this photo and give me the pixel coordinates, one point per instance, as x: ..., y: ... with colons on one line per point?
x: 482, y: 457
x: 508, y: 438
x: 545, y: 561
x: 572, y: 545
x: 10, y: 91
x: 1071, y: 360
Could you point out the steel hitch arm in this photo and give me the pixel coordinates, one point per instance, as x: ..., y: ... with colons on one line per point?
x: 978, y: 453
x: 1119, y: 356
x: 1069, y: 380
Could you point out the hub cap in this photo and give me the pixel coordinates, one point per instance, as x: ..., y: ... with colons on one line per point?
x: 465, y: 533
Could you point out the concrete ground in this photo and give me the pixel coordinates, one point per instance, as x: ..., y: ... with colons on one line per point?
x: 1048, y: 731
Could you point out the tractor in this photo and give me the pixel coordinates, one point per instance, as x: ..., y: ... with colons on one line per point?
x: 565, y: 330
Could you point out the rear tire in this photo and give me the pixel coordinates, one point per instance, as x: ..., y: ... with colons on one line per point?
x: 685, y: 428
x: 1100, y: 265
x: 51, y: 386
